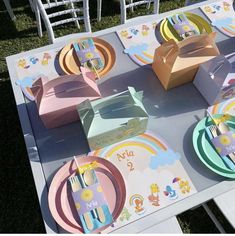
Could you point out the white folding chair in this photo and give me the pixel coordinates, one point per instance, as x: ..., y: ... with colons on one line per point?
x: 53, y: 8
x: 191, y: 2
x: 124, y: 6
x: 9, y: 9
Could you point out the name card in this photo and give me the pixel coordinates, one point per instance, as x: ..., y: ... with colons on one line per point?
x: 225, y: 143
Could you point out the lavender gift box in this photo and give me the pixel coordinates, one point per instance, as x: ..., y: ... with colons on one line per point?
x: 57, y: 99
x: 215, y: 80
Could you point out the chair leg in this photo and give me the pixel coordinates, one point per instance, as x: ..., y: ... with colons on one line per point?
x: 9, y: 9
x: 132, y: 8
x: 31, y: 5
x: 156, y: 6
x: 38, y: 19
x: 74, y: 14
x: 99, y: 8
x: 149, y: 4
x: 213, y: 218
x: 86, y: 15
x: 123, y: 11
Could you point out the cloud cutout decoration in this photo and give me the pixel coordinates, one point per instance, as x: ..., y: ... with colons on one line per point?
x: 137, y: 49
x: 163, y: 158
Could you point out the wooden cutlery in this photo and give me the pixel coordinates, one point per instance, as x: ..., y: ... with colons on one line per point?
x: 221, y: 128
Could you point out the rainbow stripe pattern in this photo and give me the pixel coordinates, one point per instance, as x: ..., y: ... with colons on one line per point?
x: 152, y: 143
x: 223, y: 107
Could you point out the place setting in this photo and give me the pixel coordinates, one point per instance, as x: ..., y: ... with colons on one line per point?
x: 91, y: 53
x: 183, y: 25
x: 213, y: 141
x: 100, y: 187
x: 98, y: 52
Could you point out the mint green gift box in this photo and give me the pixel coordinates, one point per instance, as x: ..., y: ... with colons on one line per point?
x: 113, y: 119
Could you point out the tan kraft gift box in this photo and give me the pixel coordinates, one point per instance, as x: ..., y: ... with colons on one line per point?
x: 177, y: 63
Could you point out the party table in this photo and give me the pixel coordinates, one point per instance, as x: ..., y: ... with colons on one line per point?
x: 173, y: 115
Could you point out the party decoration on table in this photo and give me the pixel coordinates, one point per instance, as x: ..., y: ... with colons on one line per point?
x: 222, y: 130
x: 183, y: 185
x: 227, y: 106
x: 222, y: 16
x: 89, y: 199
x: 224, y: 143
x: 182, y: 25
x: 177, y: 63
x: 45, y: 59
x: 61, y: 203
x: 103, y: 51
x: 223, y: 118
x: 215, y: 80
x: 154, y: 196
x: 114, y: 118
x: 31, y: 68
x: 147, y: 188
x: 26, y: 84
x: 140, y: 42
x: 56, y: 99
x: 34, y: 60
x: 196, y: 24
x: 170, y: 192
x: 23, y: 64
x: 137, y: 201
x: 125, y: 215
x: 87, y: 52
x: 204, y: 131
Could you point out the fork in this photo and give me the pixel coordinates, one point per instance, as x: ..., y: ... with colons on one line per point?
x: 74, y: 183
x: 226, y: 159
x: 90, y: 178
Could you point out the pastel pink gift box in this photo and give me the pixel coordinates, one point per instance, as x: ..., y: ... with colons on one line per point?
x: 57, y: 99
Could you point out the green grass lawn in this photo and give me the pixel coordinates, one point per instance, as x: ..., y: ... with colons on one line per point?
x: 19, y: 206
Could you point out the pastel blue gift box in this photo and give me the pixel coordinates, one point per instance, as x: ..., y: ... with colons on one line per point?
x: 215, y: 80
x: 113, y: 119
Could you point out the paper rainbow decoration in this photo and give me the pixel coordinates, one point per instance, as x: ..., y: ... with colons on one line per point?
x: 223, y: 107
x: 134, y: 197
x: 147, y: 141
x: 139, y: 54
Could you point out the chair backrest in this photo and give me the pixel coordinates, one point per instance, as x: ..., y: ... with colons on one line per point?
x: 132, y: 4
x: 63, y: 11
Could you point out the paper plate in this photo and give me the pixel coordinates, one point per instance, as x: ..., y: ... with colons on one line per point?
x: 168, y: 32
x: 70, y: 64
x: 61, y: 204
x: 205, y: 150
